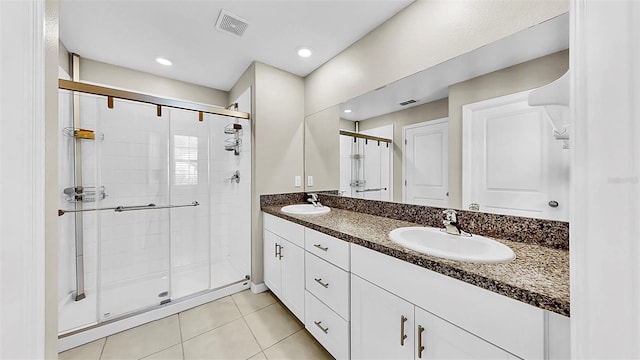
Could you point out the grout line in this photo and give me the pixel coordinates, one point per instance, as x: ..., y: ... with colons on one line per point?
x: 256, y: 310
x: 104, y: 344
x: 217, y: 327
x: 180, y: 330
x: 252, y: 334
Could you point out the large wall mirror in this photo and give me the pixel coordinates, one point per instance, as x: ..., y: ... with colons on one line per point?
x: 460, y: 134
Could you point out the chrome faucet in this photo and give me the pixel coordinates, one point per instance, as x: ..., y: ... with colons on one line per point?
x: 313, y: 198
x: 450, y: 222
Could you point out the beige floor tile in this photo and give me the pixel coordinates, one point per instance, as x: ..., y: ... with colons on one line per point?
x: 208, y: 317
x: 300, y: 345
x: 143, y: 340
x: 249, y: 302
x: 231, y: 341
x: 172, y: 353
x: 258, y: 356
x: 272, y: 324
x: 88, y: 351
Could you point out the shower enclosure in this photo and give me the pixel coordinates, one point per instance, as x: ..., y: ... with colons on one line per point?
x: 152, y: 208
x: 366, y: 164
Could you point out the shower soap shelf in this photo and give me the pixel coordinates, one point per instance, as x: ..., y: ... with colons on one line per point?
x: 78, y: 194
x: 82, y: 133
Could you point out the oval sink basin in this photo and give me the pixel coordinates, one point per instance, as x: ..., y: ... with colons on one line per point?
x: 305, y: 209
x: 434, y: 242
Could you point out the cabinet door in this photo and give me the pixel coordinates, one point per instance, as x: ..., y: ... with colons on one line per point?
x: 272, y: 263
x: 292, y: 258
x: 439, y: 339
x: 377, y: 324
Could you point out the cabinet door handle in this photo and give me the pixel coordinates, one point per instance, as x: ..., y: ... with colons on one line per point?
x: 420, y: 347
x: 276, y: 250
x: 319, y: 246
x: 319, y: 324
x: 319, y: 281
x: 280, y: 254
x: 403, y: 336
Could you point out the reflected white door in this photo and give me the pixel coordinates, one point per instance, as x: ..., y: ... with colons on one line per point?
x: 512, y: 164
x: 426, y: 163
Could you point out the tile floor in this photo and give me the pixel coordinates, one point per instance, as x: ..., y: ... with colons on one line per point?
x: 241, y: 326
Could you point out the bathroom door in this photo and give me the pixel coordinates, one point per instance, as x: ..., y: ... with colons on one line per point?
x: 512, y: 164
x: 425, y: 163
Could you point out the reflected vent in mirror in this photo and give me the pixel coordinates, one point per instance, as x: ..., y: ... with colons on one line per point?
x: 405, y: 103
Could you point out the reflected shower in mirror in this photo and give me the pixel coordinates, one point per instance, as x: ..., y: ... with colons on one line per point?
x: 430, y: 158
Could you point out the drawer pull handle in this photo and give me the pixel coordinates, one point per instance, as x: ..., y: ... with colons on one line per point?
x: 319, y: 246
x: 403, y: 336
x: 319, y: 281
x: 420, y: 346
x: 319, y: 324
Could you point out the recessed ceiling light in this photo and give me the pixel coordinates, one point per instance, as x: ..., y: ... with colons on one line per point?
x: 347, y: 111
x: 304, y: 52
x: 163, y: 61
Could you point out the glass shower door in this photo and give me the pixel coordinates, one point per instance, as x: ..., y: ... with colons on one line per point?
x: 135, y: 242
x: 189, y: 182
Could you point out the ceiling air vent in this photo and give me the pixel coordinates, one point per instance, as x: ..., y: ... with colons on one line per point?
x: 231, y: 23
x: 404, y: 103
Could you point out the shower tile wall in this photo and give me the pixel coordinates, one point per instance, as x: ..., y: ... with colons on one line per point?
x: 229, y: 221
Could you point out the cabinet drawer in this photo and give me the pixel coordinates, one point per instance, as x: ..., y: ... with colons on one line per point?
x: 329, y: 283
x: 327, y: 327
x: 327, y: 247
x: 285, y: 229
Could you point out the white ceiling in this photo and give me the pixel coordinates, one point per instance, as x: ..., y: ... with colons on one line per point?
x: 133, y: 33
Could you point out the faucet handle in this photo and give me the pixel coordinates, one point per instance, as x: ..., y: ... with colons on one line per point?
x: 450, y: 215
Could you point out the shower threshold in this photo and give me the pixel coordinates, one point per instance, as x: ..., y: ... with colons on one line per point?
x: 83, y: 335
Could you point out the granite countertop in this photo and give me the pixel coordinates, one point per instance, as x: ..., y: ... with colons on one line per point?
x: 538, y: 276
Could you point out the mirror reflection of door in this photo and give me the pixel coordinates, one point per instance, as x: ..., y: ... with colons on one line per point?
x: 512, y: 164
x: 425, y: 162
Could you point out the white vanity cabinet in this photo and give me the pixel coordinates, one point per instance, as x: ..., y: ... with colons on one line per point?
x: 456, y: 316
x: 284, y: 262
x: 328, y: 287
x: 362, y: 304
x: 384, y: 326
x: 377, y: 326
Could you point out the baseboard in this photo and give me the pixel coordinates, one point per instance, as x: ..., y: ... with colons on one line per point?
x: 258, y: 288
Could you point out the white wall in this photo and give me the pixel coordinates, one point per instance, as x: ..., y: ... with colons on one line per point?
x: 424, y: 34
x: 133, y: 80
x: 605, y: 240
x: 24, y: 210
x: 278, y: 139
